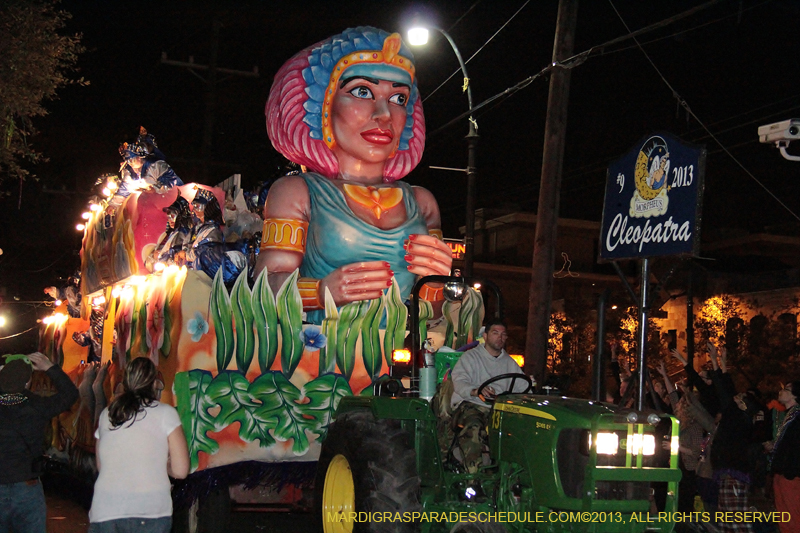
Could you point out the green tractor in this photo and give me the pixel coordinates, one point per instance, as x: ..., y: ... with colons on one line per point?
x: 557, y: 464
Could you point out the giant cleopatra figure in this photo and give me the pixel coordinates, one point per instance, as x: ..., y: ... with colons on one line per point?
x: 349, y: 110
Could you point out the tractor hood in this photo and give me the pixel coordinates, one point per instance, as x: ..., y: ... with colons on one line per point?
x: 575, y: 412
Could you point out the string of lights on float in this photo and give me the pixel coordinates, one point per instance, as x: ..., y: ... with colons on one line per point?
x: 96, y: 204
x: 124, y: 290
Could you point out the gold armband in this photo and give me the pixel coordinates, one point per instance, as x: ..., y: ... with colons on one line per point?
x: 436, y: 233
x: 430, y: 294
x: 309, y: 293
x: 284, y: 234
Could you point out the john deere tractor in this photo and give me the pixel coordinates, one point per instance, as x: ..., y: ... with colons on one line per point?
x: 556, y: 464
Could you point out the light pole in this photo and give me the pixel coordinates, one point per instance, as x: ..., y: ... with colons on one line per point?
x: 418, y: 35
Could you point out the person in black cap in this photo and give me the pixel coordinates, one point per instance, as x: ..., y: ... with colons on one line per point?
x: 24, y: 417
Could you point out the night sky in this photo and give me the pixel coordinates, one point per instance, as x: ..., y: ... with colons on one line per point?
x: 734, y: 64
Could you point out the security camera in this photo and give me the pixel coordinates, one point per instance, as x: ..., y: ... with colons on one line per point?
x: 780, y: 133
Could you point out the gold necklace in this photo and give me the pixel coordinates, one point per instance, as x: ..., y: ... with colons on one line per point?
x: 376, y: 199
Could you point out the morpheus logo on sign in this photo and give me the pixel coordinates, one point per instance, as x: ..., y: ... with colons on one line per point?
x: 653, y: 200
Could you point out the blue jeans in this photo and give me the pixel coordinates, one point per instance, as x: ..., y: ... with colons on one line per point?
x: 22, y: 507
x: 133, y: 525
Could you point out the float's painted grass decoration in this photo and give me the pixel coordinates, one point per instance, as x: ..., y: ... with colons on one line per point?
x: 371, y: 338
x: 425, y: 314
x: 223, y: 325
x: 290, y: 320
x: 244, y: 315
x: 147, y: 319
x: 477, y: 314
x: 207, y: 338
x: 468, y: 317
x: 448, y: 308
x: 347, y: 331
x: 330, y: 325
x: 242, y: 305
x: 396, y: 316
x: 265, y: 317
x: 193, y: 408
x: 270, y: 409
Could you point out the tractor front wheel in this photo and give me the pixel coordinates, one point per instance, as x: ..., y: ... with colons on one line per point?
x: 367, y: 466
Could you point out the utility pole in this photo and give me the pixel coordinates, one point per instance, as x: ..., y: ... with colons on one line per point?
x: 211, y: 90
x: 690, y: 317
x: 541, y: 290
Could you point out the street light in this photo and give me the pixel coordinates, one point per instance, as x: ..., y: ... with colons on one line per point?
x: 418, y: 35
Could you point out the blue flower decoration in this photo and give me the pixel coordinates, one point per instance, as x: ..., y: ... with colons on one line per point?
x: 313, y: 339
x: 197, y: 326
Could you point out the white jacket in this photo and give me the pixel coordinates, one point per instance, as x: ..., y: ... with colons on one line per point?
x: 476, y: 366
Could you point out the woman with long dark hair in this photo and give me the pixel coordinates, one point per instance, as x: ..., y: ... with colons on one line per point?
x: 140, y: 442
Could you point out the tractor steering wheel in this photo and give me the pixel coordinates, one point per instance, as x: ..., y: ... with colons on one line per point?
x: 514, y: 376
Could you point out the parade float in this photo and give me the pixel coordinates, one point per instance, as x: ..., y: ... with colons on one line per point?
x: 275, y: 347
x: 257, y: 344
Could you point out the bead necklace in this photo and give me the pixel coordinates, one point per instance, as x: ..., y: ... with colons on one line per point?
x: 15, y: 398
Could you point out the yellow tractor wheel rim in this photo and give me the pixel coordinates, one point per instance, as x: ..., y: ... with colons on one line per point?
x: 338, y: 497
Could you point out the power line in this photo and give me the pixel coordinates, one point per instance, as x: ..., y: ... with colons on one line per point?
x: 576, y: 60
x: 693, y: 137
x: 688, y: 109
x: 51, y: 264
x: 18, y: 334
x: 760, y: 119
x: 581, y: 57
x: 597, y: 167
x: 459, y: 19
x: 479, y: 49
x: 693, y: 28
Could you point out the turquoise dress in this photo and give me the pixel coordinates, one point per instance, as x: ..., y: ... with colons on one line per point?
x: 337, y: 237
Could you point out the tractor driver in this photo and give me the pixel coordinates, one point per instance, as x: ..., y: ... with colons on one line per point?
x: 471, y: 410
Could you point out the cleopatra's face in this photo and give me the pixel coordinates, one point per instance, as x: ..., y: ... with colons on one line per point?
x: 367, y: 117
x: 172, y: 216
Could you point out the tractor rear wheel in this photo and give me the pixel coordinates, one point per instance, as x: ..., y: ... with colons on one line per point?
x: 367, y: 466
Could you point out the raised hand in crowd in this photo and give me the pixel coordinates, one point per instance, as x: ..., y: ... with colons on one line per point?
x: 624, y: 363
x: 677, y: 355
x: 662, y: 369
x: 100, y: 400
x: 40, y: 361
x: 712, y: 354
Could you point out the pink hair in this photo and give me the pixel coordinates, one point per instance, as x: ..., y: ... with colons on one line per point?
x: 290, y: 134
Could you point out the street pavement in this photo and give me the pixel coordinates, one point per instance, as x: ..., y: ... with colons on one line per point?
x: 65, y: 515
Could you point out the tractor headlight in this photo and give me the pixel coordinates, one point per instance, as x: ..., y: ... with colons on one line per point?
x: 644, y: 443
x: 607, y: 443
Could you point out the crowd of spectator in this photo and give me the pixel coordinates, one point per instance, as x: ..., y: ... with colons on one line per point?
x: 735, y: 452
